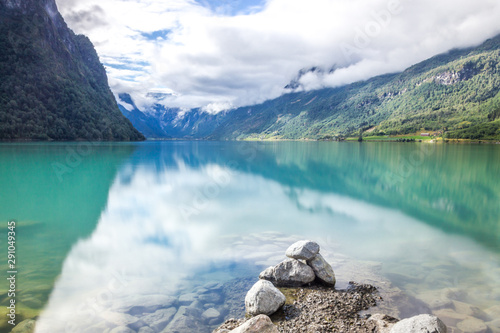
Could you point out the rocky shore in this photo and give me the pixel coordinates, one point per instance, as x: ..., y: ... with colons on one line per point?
x: 333, y: 304
x: 307, y: 301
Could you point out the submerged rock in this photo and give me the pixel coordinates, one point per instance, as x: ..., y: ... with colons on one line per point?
x: 146, y: 329
x: 26, y: 326
x: 289, y: 273
x: 435, y: 300
x: 188, y: 298
x: 122, y: 329
x: 258, y: 324
x: 322, y: 269
x: 472, y: 325
x: 143, y: 304
x: 383, y: 323
x: 186, y: 320
x: 210, y: 314
x: 471, y: 310
x: 159, y: 319
x: 422, y: 323
x: 263, y: 298
x: 304, y: 249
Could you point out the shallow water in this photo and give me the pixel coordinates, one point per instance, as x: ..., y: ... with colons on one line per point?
x: 106, y: 229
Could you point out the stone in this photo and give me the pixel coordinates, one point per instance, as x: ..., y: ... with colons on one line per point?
x: 450, y: 317
x: 263, y: 298
x: 146, y: 329
x: 420, y: 324
x: 494, y: 311
x: 304, y: 249
x: 494, y: 325
x: 201, y: 291
x: 456, y: 294
x: 159, y: 319
x: 213, y: 286
x: 187, y: 299
x: 267, y: 274
x: 289, y: 273
x: 143, y: 304
x: 26, y: 326
x: 121, y: 319
x: 210, y: 314
x: 122, y: 329
x: 208, y: 305
x: 186, y: 320
x: 472, y: 325
x: 435, y: 300
x: 101, y: 327
x: 471, y: 310
x: 209, y: 297
x: 32, y: 302
x: 322, y: 269
x: 196, y: 305
x: 258, y: 324
x: 382, y: 322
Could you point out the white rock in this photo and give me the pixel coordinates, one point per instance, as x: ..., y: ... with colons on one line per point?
x: 258, y: 324
x: 304, y: 249
x: 267, y: 274
x: 263, y: 298
x: 322, y: 269
x: 210, y: 314
x: 289, y: 273
x: 420, y: 324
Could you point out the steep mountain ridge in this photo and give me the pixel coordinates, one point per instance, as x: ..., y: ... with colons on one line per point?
x: 456, y: 92
x: 163, y: 122
x: 53, y: 86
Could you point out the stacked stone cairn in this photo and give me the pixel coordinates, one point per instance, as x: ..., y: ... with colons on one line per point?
x: 304, y: 265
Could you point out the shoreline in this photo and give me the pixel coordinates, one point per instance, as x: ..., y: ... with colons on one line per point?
x: 349, y: 139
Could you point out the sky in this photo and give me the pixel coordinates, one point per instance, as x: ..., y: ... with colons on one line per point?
x: 222, y: 54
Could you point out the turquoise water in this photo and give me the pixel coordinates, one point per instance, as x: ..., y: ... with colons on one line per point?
x: 105, y: 227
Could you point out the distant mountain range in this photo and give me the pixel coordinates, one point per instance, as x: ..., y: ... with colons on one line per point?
x: 456, y: 93
x: 52, y: 85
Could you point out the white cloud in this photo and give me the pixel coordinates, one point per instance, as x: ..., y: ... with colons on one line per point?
x: 207, y: 58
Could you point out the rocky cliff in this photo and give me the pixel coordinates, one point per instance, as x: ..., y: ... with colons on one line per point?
x: 53, y: 86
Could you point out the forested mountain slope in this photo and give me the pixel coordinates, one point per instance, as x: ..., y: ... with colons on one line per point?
x: 457, y: 92
x: 52, y: 85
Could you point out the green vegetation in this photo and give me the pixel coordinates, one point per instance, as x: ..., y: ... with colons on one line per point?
x: 457, y: 93
x: 52, y: 85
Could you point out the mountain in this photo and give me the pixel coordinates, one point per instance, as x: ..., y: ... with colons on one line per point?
x: 159, y: 121
x: 456, y: 92
x: 52, y: 85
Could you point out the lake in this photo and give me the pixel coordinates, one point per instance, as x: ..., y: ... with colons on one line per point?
x: 156, y: 233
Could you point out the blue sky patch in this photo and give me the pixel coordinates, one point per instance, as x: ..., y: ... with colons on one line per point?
x: 233, y: 7
x: 156, y: 34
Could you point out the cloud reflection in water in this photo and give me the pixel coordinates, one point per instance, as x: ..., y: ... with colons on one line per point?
x: 167, y: 230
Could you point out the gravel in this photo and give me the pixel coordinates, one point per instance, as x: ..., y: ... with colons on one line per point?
x: 320, y: 309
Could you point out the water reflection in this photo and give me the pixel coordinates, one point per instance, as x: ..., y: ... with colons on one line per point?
x: 53, y: 210
x: 182, y: 217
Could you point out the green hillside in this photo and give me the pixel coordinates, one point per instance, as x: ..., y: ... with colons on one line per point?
x: 457, y: 93
x: 52, y: 85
